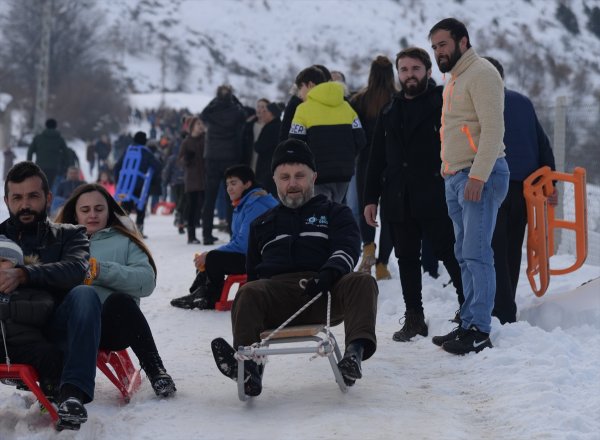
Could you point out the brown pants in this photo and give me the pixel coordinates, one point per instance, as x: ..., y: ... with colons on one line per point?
x: 264, y: 304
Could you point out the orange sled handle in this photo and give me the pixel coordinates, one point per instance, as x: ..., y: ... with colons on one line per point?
x: 542, y: 223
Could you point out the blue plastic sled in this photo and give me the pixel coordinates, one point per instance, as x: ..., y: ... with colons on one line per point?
x: 128, y: 178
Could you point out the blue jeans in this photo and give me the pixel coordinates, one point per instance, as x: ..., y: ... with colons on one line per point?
x: 75, y: 329
x: 474, y: 224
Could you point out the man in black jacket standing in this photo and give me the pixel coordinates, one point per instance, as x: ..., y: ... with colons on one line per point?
x: 63, y: 253
x: 406, y: 152
x: 224, y: 118
x: 310, y: 238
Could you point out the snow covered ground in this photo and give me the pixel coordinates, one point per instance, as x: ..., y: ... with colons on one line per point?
x: 540, y: 381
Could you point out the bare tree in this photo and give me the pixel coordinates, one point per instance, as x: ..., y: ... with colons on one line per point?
x: 78, y: 70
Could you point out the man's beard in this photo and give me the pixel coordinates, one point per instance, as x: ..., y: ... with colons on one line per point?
x: 37, y: 218
x: 414, y: 89
x: 454, y: 57
x: 296, y: 202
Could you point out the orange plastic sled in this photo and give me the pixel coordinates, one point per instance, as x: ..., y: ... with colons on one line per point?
x: 542, y: 223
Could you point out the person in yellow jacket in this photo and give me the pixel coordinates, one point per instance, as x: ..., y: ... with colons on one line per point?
x: 475, y: 175
x: 332, y: 130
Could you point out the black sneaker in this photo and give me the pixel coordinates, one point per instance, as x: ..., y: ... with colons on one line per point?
x: 72, y: 411
x: 414, y: 324
x: 195, y: 300
x: 193, y: 241
x: 209, y: 240
x: 15, y: 383
x: 227, y: 364
x: 468, y: 341
x: 439, y: 340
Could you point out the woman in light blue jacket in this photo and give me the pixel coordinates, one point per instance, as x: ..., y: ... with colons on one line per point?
x: 122, y: 271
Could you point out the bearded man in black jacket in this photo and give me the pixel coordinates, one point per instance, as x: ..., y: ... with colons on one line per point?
x: 404, y: 171
x: 309, y: 238
x: 63, y: 254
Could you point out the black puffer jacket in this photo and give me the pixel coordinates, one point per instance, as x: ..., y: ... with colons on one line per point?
x: 224, y: 118
x: 62, y: 250
x: 320, y: 234
x: 27, y: 312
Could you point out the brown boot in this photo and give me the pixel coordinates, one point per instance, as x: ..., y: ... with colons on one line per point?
x: 368, y: 258
x: 382, y: 272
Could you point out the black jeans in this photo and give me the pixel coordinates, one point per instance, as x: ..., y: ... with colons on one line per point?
x: 124, y: 325
x: 406, y: 236
x: 214, y: 171
x: 140, y: 215
x: 195, y: 199
x: 218, y: 265
x: 507, y: 243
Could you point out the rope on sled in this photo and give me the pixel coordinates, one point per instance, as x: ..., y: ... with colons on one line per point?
x: 261, y: 359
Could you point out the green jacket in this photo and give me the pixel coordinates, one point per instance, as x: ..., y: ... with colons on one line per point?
x: 123, y: 266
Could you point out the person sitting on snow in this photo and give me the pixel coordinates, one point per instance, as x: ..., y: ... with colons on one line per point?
x: 310, y: 238
x: 249, y: 201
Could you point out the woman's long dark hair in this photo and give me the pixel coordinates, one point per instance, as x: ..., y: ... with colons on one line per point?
x: 67, y: 215
x: 379, y: 89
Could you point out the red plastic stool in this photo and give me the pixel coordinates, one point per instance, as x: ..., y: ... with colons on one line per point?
x: 125, y: 377
x: 29, y: 376
x: 232, y: 284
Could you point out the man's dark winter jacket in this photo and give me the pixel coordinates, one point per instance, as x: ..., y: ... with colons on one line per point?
x: 405, y: 158
x: 191, y: 157
x: 527, y: 146
x: 50, y: 150
x: 265, y: 147
x: 224, y: 118
x: 319, y: 235
x: 62, y: 250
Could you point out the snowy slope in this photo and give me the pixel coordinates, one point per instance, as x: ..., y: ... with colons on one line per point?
x: 259, y: 46
x: 540, y: 381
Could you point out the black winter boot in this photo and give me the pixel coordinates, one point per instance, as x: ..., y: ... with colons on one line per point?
x: 253, y: 378
x: 71, y: 412
x: 161, y: 382
x: 414, y: 324
x: 227, y: 364
x: 350, y: 364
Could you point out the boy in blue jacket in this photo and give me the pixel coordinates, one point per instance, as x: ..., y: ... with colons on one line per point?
x: 249, y: 201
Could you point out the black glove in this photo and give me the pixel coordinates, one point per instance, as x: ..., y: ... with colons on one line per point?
x: 323, y: 282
